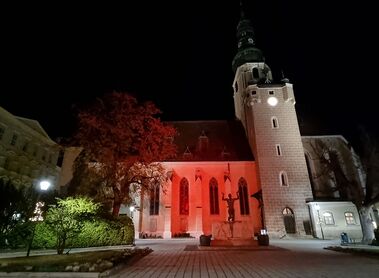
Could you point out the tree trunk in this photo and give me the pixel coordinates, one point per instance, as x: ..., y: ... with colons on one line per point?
x: 61, y: 244
x: 116, y: 201
x: 116, y: 208
x: 366, y: 224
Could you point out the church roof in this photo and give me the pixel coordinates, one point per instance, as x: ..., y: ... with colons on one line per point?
x: 211, y: 141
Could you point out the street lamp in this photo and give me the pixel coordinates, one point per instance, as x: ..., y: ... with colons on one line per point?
x: 317, y: 206
x: 43, y: 185
x: 132, y: 208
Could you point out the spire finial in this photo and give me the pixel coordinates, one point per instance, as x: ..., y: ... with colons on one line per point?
x: 242, y: 12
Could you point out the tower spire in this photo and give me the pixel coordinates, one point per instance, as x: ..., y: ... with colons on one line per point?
x: 247, y: 52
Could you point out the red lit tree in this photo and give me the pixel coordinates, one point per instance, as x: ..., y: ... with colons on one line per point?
x: 123, y: 142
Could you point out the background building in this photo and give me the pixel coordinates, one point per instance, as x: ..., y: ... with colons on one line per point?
x: 27, y: 154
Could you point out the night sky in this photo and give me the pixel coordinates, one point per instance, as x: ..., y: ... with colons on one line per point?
x: 55, y: 57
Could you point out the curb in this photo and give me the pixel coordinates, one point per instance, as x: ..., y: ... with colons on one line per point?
x: 50, y: 274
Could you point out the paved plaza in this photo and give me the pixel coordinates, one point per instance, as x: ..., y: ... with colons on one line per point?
x: 283, y: 258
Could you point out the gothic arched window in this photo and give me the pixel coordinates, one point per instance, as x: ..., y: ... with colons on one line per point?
x: 213, y: 196
x: 244, y: 196
x: 274, y: 122
x: 184, y: 200
x: 154, y: 199
x: 283, y: 178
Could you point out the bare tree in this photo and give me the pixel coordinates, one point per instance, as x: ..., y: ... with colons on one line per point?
x: 361, y: 187
x: 123, y: 142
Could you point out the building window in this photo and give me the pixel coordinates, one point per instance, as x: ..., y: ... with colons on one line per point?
x: 278, y: 150
x: 255, y: 73
x: 283, y: 178
x: 350, y: 219
x: 244, y: 197
x: 271, y: 93
x: 274, y: 122
x: 184, y: 200
x: 328, y: 218
x: 154, y: 199
x: 14, y: 139
x: 2, y: 131
x: 213, y: 196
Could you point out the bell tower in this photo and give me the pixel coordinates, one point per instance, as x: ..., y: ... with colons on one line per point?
x: 267, y: 112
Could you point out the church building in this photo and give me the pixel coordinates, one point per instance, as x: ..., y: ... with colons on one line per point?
x: 237, y: 178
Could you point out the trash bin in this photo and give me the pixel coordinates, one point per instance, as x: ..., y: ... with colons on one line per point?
x: 344, y: 238
x: 205, y: 240
x: 263, y: 238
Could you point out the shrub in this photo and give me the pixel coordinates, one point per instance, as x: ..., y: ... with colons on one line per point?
x: 100, y: 232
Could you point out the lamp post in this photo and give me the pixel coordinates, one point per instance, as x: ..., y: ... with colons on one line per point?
x: 132, y: 208
x: 43, y: 185
x: 317, y: 206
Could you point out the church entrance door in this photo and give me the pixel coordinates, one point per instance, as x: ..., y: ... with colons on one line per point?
x: 289, y: 220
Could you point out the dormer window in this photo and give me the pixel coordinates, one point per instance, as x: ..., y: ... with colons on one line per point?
x: 203, y: 142
x: 187, y: 155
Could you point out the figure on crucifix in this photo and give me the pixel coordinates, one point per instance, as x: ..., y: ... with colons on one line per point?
x: 230, y: 202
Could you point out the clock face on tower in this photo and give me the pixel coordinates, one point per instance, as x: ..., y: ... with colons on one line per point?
x: 273, y: 101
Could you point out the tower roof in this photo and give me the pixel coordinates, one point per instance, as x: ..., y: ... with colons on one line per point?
x: 247, y: 52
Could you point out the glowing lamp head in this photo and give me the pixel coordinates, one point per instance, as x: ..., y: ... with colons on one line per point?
x: 132, y: 208
x: 44, y: 185
x: 273, y: 101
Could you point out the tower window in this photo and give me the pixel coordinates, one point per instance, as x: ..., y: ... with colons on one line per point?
x: 244, y: 197
x: 283, y: 178
x: 184, y: 200
x: 278, y: 150
x: 271, y: 93
x: 213, y: 196
x: 154, y: 199
x: 255, y: 73
x: 253, y: 93
x: 274, y: 122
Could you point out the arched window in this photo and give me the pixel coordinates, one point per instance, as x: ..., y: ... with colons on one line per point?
x: 274, y: 122
x: 213, y: 196
x: 349, y: 217
x: 184, y: 200
x: 283, y: 179
x: 154, y: 199
x: 244, y: 201
x: 328, y: 218
x: 255, y: 73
